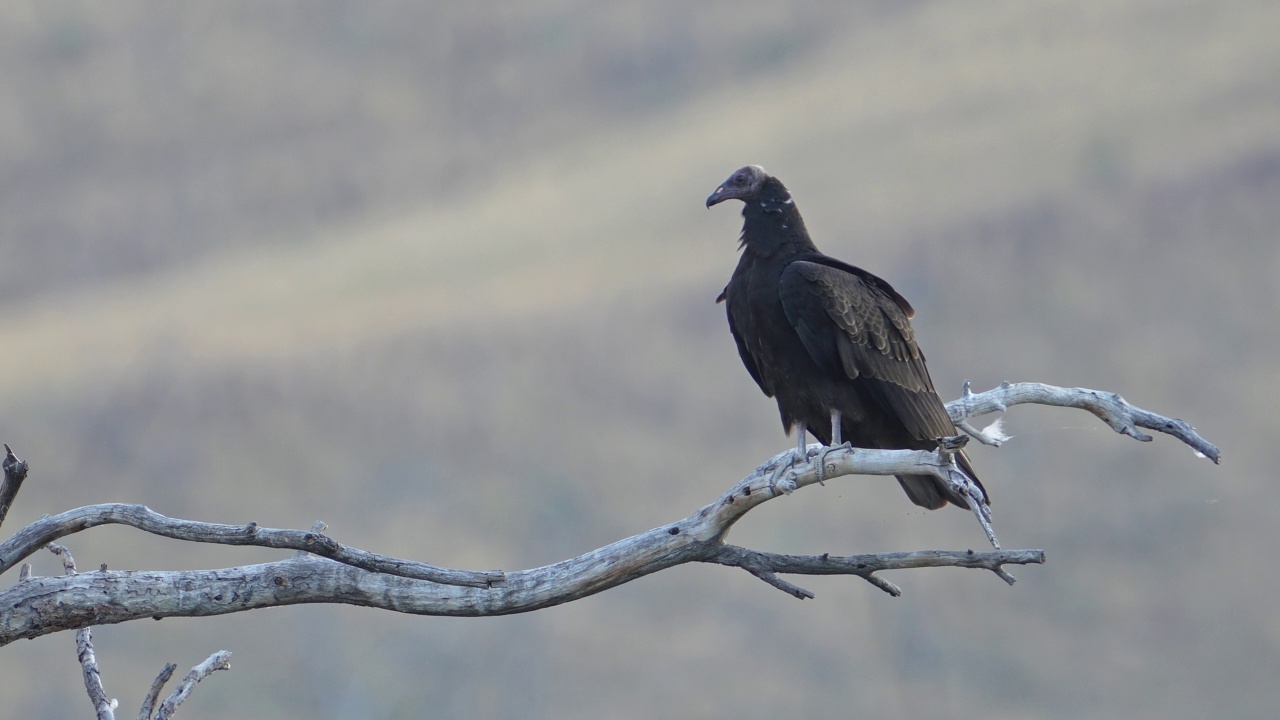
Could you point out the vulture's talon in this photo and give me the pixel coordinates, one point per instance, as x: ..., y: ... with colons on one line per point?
x: 822, y: 459
x: 782, y: 481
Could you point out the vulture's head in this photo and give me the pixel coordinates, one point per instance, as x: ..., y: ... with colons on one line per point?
x: 744, y: 184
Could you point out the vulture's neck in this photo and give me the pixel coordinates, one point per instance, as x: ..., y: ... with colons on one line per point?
x: 772, y: 225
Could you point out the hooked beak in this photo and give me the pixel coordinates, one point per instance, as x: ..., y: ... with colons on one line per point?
x: 718, y: 196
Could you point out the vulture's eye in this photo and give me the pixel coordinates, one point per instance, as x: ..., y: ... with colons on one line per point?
x: 739, y: 179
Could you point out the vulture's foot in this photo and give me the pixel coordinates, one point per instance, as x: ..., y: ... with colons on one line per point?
x: 822, y: 459
x: 783, y: 480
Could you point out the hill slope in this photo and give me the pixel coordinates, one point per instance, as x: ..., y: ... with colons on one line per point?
x: 1073, y: 194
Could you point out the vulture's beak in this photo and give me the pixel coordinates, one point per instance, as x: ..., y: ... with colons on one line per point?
x: 716, y: 197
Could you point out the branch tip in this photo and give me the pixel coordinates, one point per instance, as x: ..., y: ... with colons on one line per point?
x: 883, y: 584
x: 790, y: 588
x: 153, y: 695
x: 15, y: 471
x: 220, y: 660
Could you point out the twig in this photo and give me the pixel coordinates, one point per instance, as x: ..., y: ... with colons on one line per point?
x: 153, y: 695
x: 220, y: 660
x: 754, y: 563
x: 15, y: 471
x: 84, y: 646
x: 92, y: 679
x: 865, y: 566
x: 68, y: 562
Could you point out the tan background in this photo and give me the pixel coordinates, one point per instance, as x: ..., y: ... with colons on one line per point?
x: 440, y: 275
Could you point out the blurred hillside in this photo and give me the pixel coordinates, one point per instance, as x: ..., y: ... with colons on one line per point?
x: 138, y: 137
x: 442, y: 278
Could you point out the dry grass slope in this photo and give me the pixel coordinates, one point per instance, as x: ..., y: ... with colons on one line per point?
x: 1079, y: 194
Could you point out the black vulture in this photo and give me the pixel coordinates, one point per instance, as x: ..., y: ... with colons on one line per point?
x: 831, y: 342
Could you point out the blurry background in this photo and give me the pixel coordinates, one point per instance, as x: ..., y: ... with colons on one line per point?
x: 440, y: 275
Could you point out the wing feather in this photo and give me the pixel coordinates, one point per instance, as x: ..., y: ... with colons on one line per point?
x: 744, y: 352
x: 854, y: 324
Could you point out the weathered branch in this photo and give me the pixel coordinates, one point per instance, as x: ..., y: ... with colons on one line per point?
x: 749, y: 492
x: 43, y: 605
x: 49, y: 604
x: 1112, y: 409
x: 334, y: 573
x: 51, y: 527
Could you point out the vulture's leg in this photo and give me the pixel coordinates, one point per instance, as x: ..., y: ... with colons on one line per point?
x: 836, y: 444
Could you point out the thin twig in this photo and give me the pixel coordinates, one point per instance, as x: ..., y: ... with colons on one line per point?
x: 865, y: 566
x: 220, y: 660
x: 153, y: 695
x: 104, y: 707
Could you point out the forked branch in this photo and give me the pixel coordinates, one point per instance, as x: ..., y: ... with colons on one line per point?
x: 1112, y: 409
x: 329, y: 572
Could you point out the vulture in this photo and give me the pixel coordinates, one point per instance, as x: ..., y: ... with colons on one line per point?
x: 831, y: 342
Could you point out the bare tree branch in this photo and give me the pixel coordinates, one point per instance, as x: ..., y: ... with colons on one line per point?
x: 333, y: 573
x: 749, y: 492
x: 51, y: 527
x: 1112, y: 409
x: 15, y: 471
x: 45, y: 605
x: 864, y: 566
x: 310, y: 579
x: 220, y: 660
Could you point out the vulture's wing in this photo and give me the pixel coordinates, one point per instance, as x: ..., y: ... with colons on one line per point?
x: 855, y: 325
x: 748, y: 360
